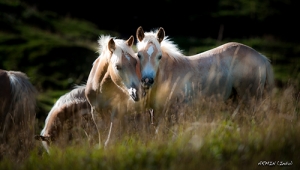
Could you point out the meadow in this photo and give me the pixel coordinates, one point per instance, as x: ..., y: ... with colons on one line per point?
x: 209, y: 135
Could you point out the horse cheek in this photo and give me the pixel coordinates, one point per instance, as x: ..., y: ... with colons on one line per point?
x: 116, y: 78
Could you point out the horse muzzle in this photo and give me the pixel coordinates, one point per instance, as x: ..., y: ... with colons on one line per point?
x: 147, y: 82
x: 133, y: 93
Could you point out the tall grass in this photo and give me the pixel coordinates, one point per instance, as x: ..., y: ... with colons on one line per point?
x: 208, y: 135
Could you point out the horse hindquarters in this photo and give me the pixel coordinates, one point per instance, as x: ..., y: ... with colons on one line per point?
x: 250, y: 80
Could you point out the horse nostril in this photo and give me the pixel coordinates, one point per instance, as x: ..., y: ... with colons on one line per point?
x: 151, y: 80
x: 147, y: 80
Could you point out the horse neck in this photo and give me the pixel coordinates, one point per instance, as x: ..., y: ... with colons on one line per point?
x: 173, y: 67
x: 52, y: 122
x: 96, y: 76
x: 67, y: 108
x: 110, y: 89
x: 109, y: 95
x: 170, y: 69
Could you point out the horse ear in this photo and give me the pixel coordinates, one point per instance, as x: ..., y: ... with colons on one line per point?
x: 111, y: 45
x: 160, y: 34
x: 140, y: 34
x: 130, y: 41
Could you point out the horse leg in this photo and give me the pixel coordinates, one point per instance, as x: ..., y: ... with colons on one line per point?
x: 95, y: 123
x: 109, y: 133
x: 110, y: 128
x: 151, y: 114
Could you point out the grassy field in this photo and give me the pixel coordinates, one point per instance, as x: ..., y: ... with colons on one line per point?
x: 209, y: 135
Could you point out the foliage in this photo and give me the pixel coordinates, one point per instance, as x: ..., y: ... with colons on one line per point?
x: 55, y: 52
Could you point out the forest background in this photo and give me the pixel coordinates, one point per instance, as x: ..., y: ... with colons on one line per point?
x: 55, y: 42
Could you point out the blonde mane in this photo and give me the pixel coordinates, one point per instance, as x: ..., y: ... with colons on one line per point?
x: 167, y: 46
x: 103, y: 41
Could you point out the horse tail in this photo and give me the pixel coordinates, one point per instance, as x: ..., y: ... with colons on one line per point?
x: 23, y: 102
x: 270, y: 83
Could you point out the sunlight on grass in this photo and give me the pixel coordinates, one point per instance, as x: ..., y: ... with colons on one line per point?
x: 209, y: 138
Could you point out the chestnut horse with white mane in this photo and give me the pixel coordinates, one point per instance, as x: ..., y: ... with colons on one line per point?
x: 114, y: 82
x: 168, y: 74
x: 17, y: 111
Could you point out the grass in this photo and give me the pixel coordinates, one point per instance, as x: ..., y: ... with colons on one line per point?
x: 207, y: 137
x: 210, y: 136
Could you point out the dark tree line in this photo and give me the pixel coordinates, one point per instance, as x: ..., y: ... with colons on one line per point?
x: 237, y: 18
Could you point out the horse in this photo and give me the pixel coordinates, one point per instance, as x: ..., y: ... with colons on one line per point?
x: 113, y: 84
x: 17, y: 111
x: 168, y: 75
x: 70, y: 110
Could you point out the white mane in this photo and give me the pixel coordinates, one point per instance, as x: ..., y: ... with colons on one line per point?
x: 166, y: 45
x: 103, y: 41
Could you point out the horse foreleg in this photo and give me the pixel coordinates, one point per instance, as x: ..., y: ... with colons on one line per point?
x: 111, y: 123
x: 151, y: 116
x: 95, y: 123
x: 109, y: 133
x: 151, y: 113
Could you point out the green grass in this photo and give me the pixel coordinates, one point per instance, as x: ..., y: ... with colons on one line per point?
x: 212, y: 135
x: 208, y: 137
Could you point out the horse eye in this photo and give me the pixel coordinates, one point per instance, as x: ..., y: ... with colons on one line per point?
x: 159, y: 57
x: 139, y: 56
x: 118, y: 67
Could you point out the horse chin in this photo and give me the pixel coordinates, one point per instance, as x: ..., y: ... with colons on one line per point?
x: 146, y: 87
x: 133, y: 94
x: 136, y: 99
x: 145, y: 91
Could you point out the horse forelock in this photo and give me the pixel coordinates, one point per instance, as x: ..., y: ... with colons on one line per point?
x: 124, y: 47
x: 103, y: 42
x: 150, y: 37
x: 120, y: 45
x: 166, y: 46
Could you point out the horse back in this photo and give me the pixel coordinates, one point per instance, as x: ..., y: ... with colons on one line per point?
x: 251, y: 71
x: 5, y: 95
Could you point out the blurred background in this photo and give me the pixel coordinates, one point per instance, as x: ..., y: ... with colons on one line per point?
x: 55, y: 42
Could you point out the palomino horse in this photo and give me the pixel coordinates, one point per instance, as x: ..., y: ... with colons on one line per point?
x: 167, y: 74
x: 17, y: 110
x: 114, y: 82
x: 71, y: 110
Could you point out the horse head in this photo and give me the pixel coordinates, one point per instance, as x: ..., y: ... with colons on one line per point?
x: 123, y: 67
x: 149, y: 54
x: 116, y: 63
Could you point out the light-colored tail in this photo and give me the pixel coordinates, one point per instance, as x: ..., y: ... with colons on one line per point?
x: 23, y: 103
